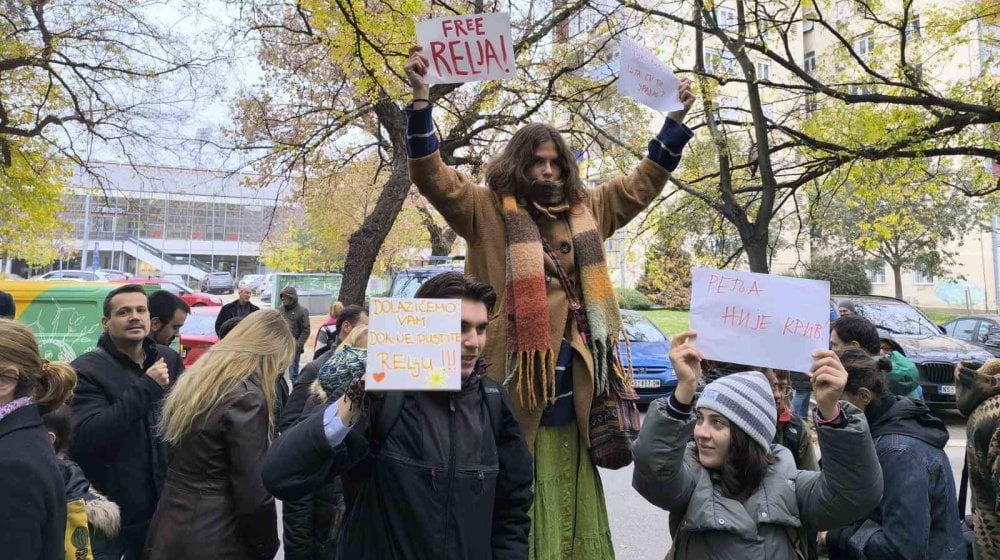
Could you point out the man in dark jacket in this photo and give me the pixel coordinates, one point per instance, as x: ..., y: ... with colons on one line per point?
x: 167, y: 314
x: 119, y: 393
x: 298, y: 319
x: 448, y: 476
x: 239, y: 308
x: 918, y: 515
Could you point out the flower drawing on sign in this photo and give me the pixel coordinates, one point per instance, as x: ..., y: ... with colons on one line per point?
x: 436, y: 378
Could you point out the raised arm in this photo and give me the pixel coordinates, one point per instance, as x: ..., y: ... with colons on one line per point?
x: 618, y: 201
x: 663, y: 474
x: 447, y: 189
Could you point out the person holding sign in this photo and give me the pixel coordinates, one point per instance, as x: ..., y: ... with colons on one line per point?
x: 429, y: 475
x: 538, y: 235
x: 713, y: 464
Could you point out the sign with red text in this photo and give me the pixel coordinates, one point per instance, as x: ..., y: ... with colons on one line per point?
x: 646, y: 79
x: 468, y: 48
x: 414, y: 345
x: 759, y: 320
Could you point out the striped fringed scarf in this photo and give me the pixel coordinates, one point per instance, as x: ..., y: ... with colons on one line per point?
x: 531, y: 355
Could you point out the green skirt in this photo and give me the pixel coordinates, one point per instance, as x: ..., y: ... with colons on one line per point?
x: 569, y: 517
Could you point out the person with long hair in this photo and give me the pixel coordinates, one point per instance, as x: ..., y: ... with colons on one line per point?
x: 732, y: 492
x: 32, y: 494
x: 219, y: 421
x: 918, y: 515
x: 536, y: 233
x: 328, y: 329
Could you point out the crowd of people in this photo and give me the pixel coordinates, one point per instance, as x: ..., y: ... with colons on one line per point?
x: 124, y: 454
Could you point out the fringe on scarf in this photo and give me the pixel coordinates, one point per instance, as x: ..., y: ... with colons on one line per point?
x: 532, y: 376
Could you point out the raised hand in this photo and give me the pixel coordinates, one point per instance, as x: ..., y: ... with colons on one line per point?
x: 416, y: 70
x: 828, y: 378
x: 686, y: 360
x: 687, y: 98
x: 158, y: 372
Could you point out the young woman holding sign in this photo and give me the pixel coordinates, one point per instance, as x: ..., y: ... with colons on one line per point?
x: 734, y: 493
x: 535, y: 230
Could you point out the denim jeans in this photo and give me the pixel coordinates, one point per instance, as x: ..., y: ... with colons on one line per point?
x: 800, y: 403
x: 293, y: 370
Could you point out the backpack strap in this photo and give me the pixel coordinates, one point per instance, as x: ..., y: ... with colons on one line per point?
x: 494, y: 403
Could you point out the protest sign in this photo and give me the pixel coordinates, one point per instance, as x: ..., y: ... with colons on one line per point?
x: 759, y: 320
x: 468, y: 48
x: 414, y: 345
x: 646, y: 79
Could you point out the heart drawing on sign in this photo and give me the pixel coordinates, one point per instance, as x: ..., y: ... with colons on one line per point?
x: 378, y: 376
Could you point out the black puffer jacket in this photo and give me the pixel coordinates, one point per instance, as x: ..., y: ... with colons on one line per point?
x: 443, y: 487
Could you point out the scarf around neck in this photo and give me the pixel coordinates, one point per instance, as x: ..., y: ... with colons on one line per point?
x: 530, y: 356
x: 13, y: 405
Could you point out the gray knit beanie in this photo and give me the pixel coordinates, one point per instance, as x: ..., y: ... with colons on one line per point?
x: 746, y: 400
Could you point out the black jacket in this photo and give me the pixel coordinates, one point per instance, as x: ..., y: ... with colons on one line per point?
x: 231, y: 310
x: 116, y: 407
x: 32, y: 498
x: 296, y: 401
x: 442, y: 487
x: 918, y: 515
x: 297, y: 317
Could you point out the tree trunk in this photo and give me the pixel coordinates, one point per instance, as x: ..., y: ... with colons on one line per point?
x: 442, y: 237
x: 756, y: 250
x: 897, y: 277
x: 365, y: 243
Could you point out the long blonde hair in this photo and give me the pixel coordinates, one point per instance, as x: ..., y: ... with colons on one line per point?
x: 261, y: 344
x: 49, y: 384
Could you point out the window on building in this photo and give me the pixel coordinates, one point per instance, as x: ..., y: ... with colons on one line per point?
x: 726, y: 18
x: 864, y: 44
x: 913, y: 28
x: 846, y: 9
x: 763, y: 71
x: 713, y: 59
x: 811, y: 104
x: 809, y: 62
x: 922, y: 277
x: 768, y: 110
x: 861, y: 89
x: 875, y: 271
x: 726, y: 108
x: 989, y: 48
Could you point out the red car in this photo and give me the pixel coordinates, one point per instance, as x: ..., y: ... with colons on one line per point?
x: 198, y: 333
x: 190, y: 297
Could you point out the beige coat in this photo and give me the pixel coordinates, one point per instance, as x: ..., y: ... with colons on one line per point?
x: 474, y: 212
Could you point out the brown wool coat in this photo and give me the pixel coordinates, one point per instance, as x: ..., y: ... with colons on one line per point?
x: 475, y: 213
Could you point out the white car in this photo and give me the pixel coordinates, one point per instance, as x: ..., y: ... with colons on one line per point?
x: 74, y: 275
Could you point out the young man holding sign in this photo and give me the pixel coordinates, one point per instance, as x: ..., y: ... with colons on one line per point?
x: 442, y: 475
x: 536, y: 232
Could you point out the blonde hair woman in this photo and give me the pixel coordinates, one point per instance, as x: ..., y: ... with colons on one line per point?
x: 218, y: 421
x: 32, y: 492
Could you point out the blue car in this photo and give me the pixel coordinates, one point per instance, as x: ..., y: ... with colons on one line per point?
x: 654, y: 375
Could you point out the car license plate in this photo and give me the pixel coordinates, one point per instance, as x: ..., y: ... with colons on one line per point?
x: 646, y: 383
x: 946, y: 389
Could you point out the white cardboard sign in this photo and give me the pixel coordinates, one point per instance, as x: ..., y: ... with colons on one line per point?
x: 646, y: 79
x: 759, y: 319
x: 414, y: 345
x: 468, y: 48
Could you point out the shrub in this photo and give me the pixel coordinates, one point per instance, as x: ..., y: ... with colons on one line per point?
x: 666, y: 279
x: 632, y: 299
x: 846, y: 275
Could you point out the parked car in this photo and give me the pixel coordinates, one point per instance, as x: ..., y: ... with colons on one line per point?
x: 252, y: 281
x: 218, y: 282
x: 114, y: 274
x: 406, y: 282
x: 198, y: 334
x: 74, y: 275
x: 190, y: 297
x: 920, y: 340
x: 981, y: 330
x: 649, y: 347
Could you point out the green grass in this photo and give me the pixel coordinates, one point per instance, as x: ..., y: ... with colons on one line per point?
x: 940, y: 317
x: 670, y: 322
